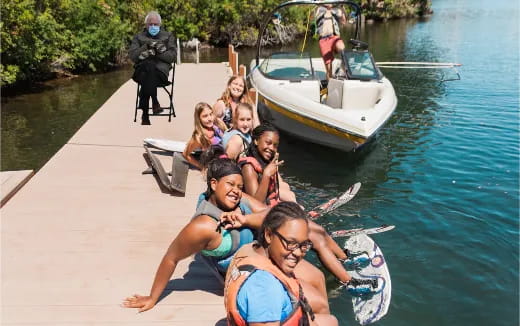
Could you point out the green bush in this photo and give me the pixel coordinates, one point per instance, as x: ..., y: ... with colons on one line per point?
x: 95, y: 45
x: 41, y: 38
x: 31, y: 41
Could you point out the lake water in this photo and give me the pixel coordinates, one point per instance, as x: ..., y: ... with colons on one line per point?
x: 444, y: 170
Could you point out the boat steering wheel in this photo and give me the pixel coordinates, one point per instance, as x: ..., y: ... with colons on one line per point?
x: 358, y: 45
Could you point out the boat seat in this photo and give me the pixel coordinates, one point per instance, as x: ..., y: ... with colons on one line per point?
x: 335, y: 94
x: 361, y: 94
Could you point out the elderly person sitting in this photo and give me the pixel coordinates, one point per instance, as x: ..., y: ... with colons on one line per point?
x: 153, y: 51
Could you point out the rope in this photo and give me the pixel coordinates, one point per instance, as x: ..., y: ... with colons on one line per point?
x: 306, y: 31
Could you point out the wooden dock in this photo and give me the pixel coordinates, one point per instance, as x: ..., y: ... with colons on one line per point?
x: 89, y: 229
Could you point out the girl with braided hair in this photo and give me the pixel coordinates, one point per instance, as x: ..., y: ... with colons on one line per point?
x: 237, y: 139
x: 260, y: 168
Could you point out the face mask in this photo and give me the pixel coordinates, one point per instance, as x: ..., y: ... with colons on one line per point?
x: 153, y: 30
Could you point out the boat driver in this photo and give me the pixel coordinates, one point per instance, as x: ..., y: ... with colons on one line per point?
x: 328, y: 19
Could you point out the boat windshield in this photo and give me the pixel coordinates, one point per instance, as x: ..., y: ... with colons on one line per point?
x: 360, y: 65
x: 288, y: 65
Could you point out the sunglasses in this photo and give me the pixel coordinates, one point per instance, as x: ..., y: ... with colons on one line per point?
x: 293, y: 245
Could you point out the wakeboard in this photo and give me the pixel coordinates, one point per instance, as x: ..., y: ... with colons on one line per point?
x: 166, y: 144
x: 179, y: 171
x: 352, y: 232
x: 335, y: 202
x: 372, y: 307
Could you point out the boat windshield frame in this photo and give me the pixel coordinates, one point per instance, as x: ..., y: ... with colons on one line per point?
x: 368, y: 64
x: 353, y: 5
x: 288, y: 55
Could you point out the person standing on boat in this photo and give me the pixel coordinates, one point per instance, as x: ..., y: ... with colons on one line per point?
x: 328, y: 19
x: 153, y: 51
x: 235, y: 93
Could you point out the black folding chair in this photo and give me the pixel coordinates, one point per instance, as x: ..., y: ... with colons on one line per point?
x: 171, y: 109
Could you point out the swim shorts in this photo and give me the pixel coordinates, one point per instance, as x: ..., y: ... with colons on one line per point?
x: 327, y: 47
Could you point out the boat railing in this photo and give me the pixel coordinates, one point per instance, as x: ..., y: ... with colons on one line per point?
x: 424, y: 65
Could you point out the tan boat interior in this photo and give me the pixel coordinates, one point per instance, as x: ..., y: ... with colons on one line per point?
x: 347, y: 94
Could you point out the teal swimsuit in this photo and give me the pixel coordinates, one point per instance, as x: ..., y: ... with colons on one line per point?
x: 232, y: 240
x: 223, y: 248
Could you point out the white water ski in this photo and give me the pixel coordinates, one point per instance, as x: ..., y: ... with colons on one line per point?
x: 370, y: 308
x: 166, y: 144
x: 335, y: 202
x: 353, y: 232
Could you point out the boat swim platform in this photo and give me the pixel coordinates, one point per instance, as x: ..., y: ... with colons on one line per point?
x: 88, y: 229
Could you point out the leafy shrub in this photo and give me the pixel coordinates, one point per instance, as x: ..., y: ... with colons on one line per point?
x: 43, y: 37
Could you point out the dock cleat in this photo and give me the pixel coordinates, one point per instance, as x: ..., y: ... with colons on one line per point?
x: 362, y: 287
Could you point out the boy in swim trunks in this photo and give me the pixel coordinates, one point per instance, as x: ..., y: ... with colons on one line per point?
x: 327, y: 21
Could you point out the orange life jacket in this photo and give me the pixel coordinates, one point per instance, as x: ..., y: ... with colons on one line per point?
x: 273, y: 194
x: 244, y: 263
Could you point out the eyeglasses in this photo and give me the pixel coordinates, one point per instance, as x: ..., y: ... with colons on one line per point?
x: 292, y: 245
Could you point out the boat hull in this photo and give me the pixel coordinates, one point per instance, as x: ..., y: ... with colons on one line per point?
x: 307, y: 129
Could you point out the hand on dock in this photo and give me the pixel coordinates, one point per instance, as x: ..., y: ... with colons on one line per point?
x: 144, y: 303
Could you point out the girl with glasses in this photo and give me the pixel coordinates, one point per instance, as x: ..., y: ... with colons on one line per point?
x: 274, y: 268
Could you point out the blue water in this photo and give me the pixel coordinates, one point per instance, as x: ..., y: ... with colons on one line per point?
x: 445, y: 171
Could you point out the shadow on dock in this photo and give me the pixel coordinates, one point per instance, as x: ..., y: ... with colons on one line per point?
x: 195, y: 279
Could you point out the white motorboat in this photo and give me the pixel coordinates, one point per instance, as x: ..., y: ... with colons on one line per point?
x: 344, y: 112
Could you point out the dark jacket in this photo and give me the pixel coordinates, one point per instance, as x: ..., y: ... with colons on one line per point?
x: 163, y: 60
